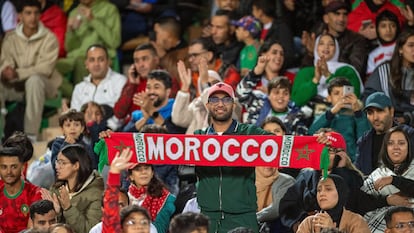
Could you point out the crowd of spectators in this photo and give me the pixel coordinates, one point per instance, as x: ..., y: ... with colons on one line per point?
x: 341, y: 69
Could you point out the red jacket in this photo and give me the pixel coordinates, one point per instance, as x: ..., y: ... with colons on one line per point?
x: 55, y: 20
x: 362, y: 12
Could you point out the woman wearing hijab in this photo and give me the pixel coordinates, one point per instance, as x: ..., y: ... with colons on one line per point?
x: 326, y: 67
x: 332, y: 194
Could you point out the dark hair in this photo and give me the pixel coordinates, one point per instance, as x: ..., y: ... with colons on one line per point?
x: 387, y: 15
x: 64, y: 225
x: 267, y: 6
x: 126, y: 211
x: 72, y: 115
x: 77, y: 153
x: 281, y: 82
x: 97, y: 46
x: 124, y: 192
x: 396, y: 209
x: 267, y: 45
x: 155, y: 186
x: 276, y: 120
x: 396, y: 63
x: 338, y: 82
x: 170, y: 24
x: 241, y: 230
x: 207, y: 43
x: 93, y: 103
x: 20, y: 139
x: 188, y: 222
x: 331, y: 230
x: 162, y: 76
x: 41, y: 207
x: 146, y: 46
x: 12, y: 152
x: 154, y: 128
x: 227, y: 13
x: 20, y: 5
x: 384, y: 153
x: 121, y: 190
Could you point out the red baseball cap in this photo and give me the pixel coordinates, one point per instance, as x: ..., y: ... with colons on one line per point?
x: 221, y: 87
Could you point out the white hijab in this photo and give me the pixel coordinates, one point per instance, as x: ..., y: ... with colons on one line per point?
x: 333, y: 65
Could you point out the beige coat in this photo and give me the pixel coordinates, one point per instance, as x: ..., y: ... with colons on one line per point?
x: 350, y: 223
x: 35, y: 55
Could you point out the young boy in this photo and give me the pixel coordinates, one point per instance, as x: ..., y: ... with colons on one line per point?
x: 73, y: 126
x: 277, y: 103
x: 248, y: 29
x: 345, y: 116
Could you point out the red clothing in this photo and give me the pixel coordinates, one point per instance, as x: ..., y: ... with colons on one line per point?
x: 111, y: 221
x: 362, y: 12
x: 55, y: 20
x: 125, y: 106
x: 14, y: 211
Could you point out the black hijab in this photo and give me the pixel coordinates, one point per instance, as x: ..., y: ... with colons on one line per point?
x: 342, y: 189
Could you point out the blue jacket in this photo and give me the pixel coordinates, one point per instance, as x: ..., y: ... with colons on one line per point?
x: 165, y: 112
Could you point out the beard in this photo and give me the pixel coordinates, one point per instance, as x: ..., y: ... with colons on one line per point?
x: 157, y: 103
x: 222, y: 118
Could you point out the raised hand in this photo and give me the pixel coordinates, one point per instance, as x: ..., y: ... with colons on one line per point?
x: 308, y: 40
x: 408, y: 14
x: 203, y: 69
x: 185, y: 76
x: 261, y: 64
x: 121, y: 161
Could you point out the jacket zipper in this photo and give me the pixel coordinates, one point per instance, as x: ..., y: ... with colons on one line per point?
x: 220, y: 193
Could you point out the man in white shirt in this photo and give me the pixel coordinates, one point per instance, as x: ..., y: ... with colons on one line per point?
x: 102, y: 85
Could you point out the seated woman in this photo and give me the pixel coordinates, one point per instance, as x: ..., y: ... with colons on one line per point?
x: 394, y: 78
x: 271, y: 185
x: 300, y: 200
x: 77, y: 193
x: 130, y: 219
x: 332, y: 194
x: 148, y: 191
x: 394, y: 176
x: 313, y: 81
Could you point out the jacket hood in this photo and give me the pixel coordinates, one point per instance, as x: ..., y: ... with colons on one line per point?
x: 41, y: 32
x: 94, y: 175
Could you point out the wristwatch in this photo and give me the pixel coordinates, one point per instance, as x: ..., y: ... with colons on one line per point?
x: 155, y: 115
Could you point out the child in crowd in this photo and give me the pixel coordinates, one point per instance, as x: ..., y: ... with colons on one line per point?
x: 248, y: 29
x: 278, y: 104
x: 95, y: 120
x: 345, y: 116
x: 189, y: 223
x: 388, y: 29
x: 73, y: 126
x: 147, y: 191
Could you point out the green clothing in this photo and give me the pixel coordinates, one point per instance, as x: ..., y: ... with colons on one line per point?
x: 104, y: 28
x: 229, y: 191
x: 248, y: 57
x: 85, y: 211
x: 351, y: 127
x: 304, y: 89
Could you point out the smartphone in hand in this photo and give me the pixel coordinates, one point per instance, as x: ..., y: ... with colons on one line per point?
x: 347, y: 90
